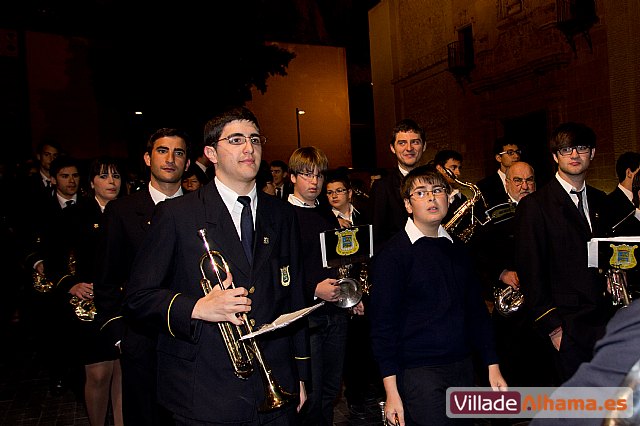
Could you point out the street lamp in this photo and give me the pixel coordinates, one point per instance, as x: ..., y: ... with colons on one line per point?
x: 299, y: 112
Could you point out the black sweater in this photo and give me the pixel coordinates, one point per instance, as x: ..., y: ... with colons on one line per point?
x: 426, y: 306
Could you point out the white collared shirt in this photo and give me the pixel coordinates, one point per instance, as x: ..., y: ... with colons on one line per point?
x: 341, y: 215
x: 298, y: 202
x: 403, y: 171
x: 415, y: 234
x: 158, y: 196
x: 45, y: 180
x: 629, y: 195
x: 503, y: 178
x: 230, y: 200
x: 568, y: 188
x: 63, y: 201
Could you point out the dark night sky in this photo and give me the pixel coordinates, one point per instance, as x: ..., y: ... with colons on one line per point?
x: 189, y: 59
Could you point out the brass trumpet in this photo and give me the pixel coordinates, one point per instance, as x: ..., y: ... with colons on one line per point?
x: 241, y: 352
x: 617, y: 284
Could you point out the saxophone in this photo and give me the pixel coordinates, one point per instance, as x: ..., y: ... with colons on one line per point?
x: 456, y: 224
x: 85, y: 310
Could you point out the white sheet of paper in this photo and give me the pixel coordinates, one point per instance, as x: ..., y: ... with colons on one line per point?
x: 282, y: 321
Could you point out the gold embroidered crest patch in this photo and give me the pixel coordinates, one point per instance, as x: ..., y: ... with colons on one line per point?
x: 285, y: 278
x: 623, y: 256
x: 347, y: 242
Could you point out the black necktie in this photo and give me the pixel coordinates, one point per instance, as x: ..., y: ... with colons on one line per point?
x: 69, y: 203
x: 246, y: 227
x: 580, y: 204
x: 279, y: 192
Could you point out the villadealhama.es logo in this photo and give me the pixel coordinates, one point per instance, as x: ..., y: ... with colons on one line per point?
x: 528, y: 402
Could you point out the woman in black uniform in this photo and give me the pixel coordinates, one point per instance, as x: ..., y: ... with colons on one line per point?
x: 102, y: 367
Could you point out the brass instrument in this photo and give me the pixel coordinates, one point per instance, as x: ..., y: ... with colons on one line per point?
x: 617, y: 284
x: 507, y: 301
x: 85, y: 310
x: 352, y: 289
x: 396, y: 421
x: 40, y: 282
x: 455, y: 224
x: 241, y: 352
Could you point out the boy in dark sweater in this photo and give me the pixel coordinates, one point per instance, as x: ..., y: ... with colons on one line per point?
x: 328, y: 324
x: 427, y: 311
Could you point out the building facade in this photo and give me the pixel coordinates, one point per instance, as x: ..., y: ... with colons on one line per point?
x: 474, y: 70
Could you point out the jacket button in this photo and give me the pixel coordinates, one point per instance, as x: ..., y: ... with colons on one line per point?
x: 252, y: 290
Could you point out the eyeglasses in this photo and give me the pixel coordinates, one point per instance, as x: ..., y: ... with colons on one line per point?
x: 511, y: 152
x: 309, y: 175
x: 581, y: 149
x: 519, y: 181
x: 338, y: 191
x: 241, y: 139
x: 437, y: 191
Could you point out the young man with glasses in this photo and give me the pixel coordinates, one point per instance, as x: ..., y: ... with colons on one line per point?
x: 427, y: 312
x: 328, y: 324
x: 257, y: 236
x: 564, y: 297
x: 389, y: 216
x: 493, y: 187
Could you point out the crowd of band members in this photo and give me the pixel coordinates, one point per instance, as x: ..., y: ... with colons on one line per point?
x: 97, y: 237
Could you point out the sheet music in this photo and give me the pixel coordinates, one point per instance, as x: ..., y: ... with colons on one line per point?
x: 282, y: 321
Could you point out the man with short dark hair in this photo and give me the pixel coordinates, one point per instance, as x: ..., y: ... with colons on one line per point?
x: 127, y: 221
x: 493, y: 187
x: 389, y: 215
x: 621, y: 216
x: 257, y: 236
x: 564, y: 297
x: 280, y: 175
x: 452, y: 160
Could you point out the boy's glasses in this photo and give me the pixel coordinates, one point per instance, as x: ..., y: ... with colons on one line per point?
x: 511, y: 152
x: 338, y: 191
x: 580, y: 149
x: 308, y: 176
x: 241, y: 140
x: 437, y: 191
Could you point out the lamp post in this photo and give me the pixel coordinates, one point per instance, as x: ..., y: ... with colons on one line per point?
x: 299, y: 112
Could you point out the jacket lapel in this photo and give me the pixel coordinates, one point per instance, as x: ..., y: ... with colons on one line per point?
x: 222, y: 233
x: 569, y: 209
x: 266, y: 234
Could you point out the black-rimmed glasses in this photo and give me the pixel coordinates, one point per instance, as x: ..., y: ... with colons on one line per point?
x: 580, y: 149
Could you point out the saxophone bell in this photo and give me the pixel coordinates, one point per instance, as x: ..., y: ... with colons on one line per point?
x: 457, y: 225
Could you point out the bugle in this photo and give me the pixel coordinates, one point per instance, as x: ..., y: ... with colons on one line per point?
x: 241, y: 352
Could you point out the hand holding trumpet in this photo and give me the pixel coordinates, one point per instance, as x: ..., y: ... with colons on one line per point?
x: 223, y: 305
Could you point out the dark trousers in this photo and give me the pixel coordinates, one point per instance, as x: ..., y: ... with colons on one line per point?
x: 328, y: 336
x: 423, y: 392
x: 286, y: 416
x: 139, y: 383
x: 361, y: 375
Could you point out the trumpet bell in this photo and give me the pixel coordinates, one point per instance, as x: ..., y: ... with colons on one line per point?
x: 508, y: 301
x: 350, y: 293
